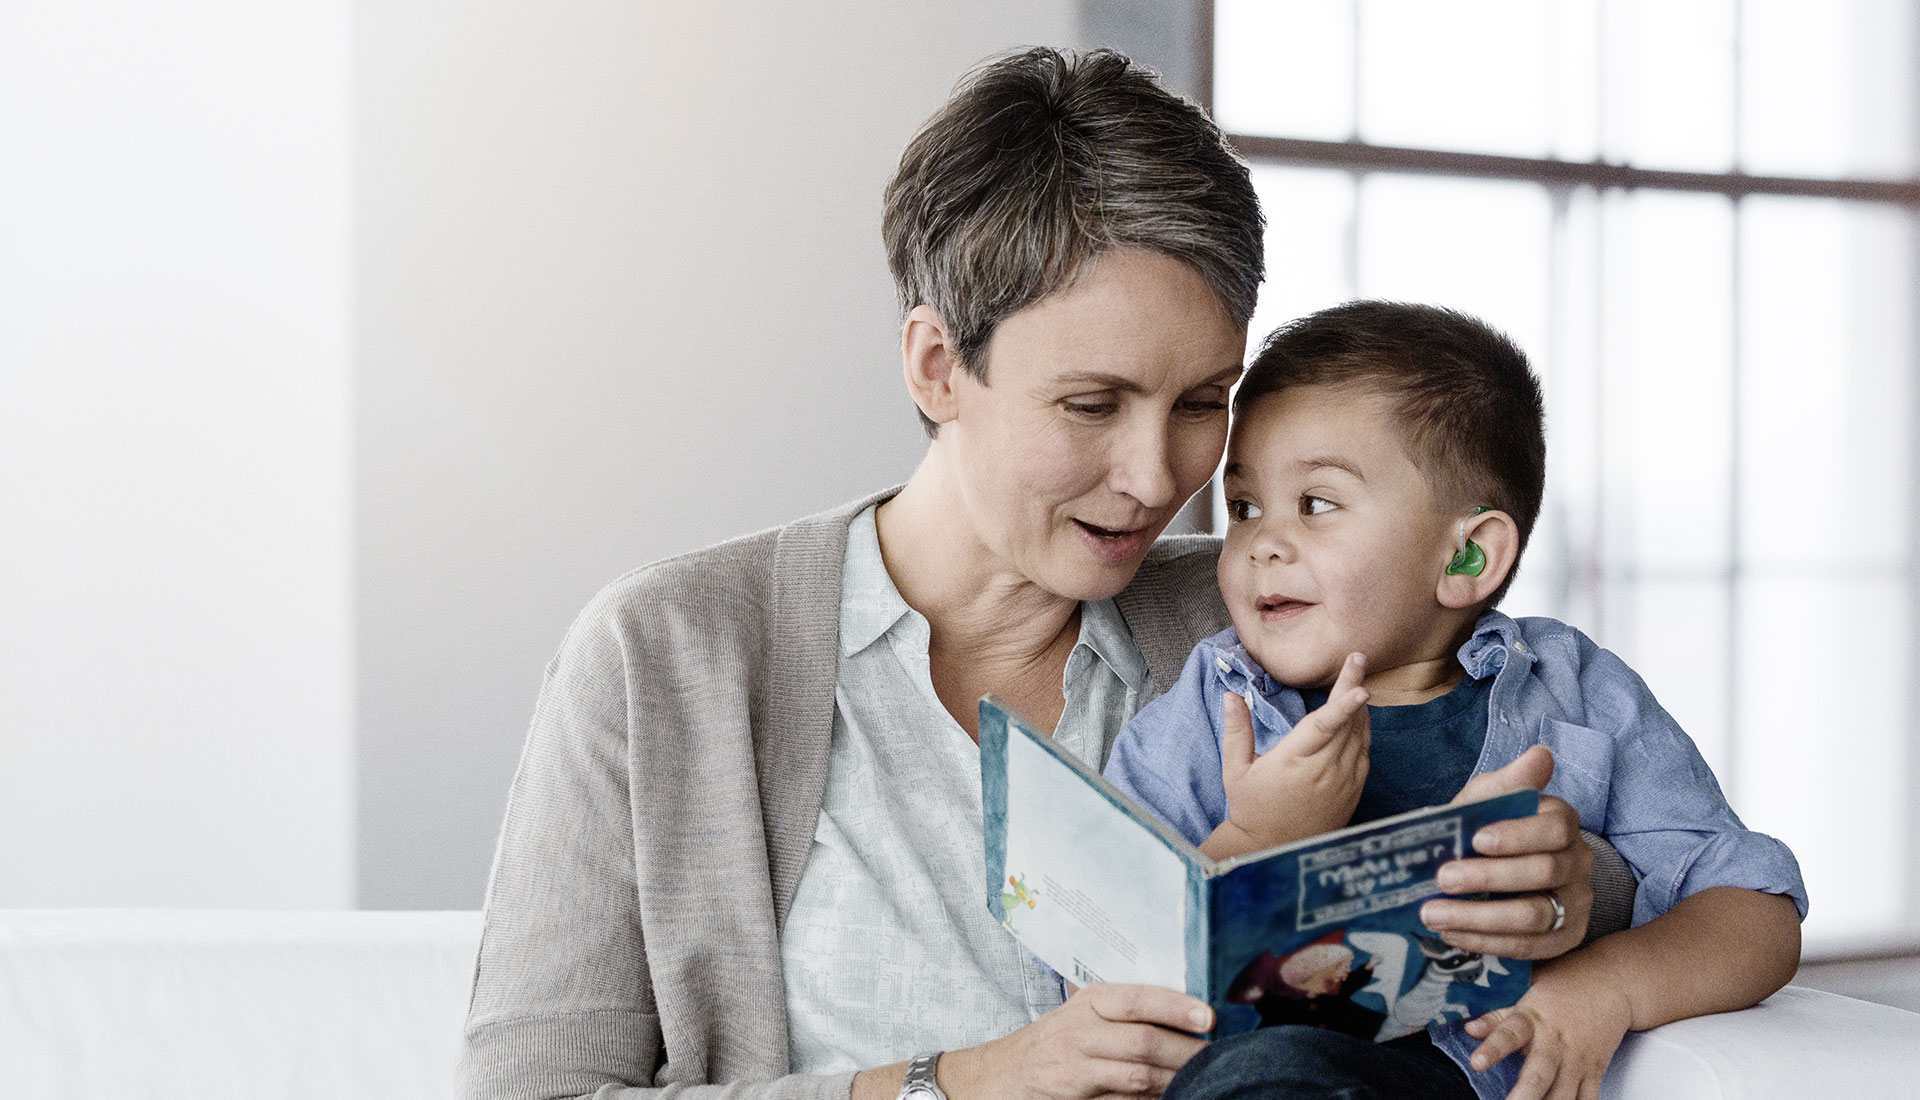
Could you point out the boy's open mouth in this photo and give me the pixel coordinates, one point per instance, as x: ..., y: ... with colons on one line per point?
x: 1273, y: 608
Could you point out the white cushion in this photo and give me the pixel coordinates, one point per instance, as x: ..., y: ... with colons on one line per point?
x: 212, y: 1005
x: 209, y: 1005
x: 1799, y: 1044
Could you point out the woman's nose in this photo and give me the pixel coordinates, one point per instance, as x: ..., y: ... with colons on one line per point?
x: 1143, y: 469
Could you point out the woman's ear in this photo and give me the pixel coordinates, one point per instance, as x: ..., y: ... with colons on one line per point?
x: 929, y: 361
x: 1497, y: 539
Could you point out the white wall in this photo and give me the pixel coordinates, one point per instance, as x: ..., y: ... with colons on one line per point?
x: 346, y: 349
x: 620, y: 293
x: 175, y: 639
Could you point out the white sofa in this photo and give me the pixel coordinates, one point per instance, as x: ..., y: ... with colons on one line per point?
x: 215, y: 1005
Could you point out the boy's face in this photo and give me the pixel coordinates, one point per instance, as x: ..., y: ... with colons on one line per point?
x: 1334, y: 541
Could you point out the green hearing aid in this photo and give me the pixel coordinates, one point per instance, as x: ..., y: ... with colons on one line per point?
x: 1471, y: 559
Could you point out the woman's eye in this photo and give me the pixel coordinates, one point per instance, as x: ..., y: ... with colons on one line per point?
x: 1091, y: 410
x: 1314, y: 506
x: 1241, y: 510
x: 1201, y: 406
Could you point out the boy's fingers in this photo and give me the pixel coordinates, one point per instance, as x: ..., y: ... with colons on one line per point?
x: 1536, y: 1078
x: 1511, y: 1031
x: 1352, y: 671
x: 1343, y: 716
x: 1236, y: 738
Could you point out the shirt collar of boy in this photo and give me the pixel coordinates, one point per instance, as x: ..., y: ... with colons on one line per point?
x: 1496, y: 638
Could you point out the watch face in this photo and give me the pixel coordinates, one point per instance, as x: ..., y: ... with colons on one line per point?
x: 920, y: 1091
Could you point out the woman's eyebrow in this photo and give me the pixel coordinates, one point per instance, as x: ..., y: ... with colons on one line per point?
x: 1125, y: 384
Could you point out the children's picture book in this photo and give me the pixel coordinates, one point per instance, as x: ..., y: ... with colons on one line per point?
x: 1325, y: 931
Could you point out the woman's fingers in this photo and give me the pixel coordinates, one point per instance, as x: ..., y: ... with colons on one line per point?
x: 1107, y: 1040
x: 1148, y: 1004
x: 1144, y: 1045
x: 1129, y: 1078
x: 1554, y: 827
x: 1532, y: 857
x: 1532, y: 768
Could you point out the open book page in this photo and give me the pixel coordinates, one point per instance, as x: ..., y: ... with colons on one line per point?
x: 1093, y: 891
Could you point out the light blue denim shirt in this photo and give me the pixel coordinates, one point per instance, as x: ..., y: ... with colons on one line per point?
x: 1620, y: 761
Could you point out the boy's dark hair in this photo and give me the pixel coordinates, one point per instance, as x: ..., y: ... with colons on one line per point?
x: 1042, y: 160
x: 1469, y: 404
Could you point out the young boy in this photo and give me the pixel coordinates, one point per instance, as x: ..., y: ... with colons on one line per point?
x: 1385, y: 468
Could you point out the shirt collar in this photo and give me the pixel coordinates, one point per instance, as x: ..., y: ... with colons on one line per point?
x: 1495, y: 637
x: 1104, y: 631
x: 869, y: 603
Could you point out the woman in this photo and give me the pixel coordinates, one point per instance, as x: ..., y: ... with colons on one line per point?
x: 744, y: 845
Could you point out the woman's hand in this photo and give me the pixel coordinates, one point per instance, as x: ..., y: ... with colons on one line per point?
x: 1539, y: 858
x: 1108, y: 1040
x: 1305, y: 785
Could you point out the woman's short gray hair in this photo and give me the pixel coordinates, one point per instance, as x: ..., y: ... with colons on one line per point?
x: 1040, y: 161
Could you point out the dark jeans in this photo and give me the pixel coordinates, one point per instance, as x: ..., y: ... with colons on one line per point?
x: 1310, y: 1063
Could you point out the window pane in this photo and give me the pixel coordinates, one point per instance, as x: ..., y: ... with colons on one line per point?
x: 1827, y: 91
x: 1667, y: 376
x: 1309, y: 244
x: 1669, y: 84
x: 1823, y: 760
x: 1472, y: 245
x: 1284, y: 70
x: 1575, y: 74
x: 1825, y: 401
x: 1471, y: 75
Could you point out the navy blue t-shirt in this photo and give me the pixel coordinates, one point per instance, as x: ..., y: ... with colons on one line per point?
x: 1422, y: 754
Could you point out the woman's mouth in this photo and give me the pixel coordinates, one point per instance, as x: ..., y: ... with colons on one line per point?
x: 1114, y: 545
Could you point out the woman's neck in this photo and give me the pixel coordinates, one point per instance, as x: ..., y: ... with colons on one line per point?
x: 991, y: 629
x: 946, y: 573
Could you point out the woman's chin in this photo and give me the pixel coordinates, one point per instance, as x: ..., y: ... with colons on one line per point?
x: 1091, y: 567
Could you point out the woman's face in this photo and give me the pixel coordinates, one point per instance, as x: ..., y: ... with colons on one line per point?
x: 1104, y: 409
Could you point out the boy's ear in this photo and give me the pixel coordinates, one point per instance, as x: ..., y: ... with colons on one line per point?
x: 929, y: 361
x: 1498, y: 538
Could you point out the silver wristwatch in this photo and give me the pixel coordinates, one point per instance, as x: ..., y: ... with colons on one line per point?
x: 920, y: 1084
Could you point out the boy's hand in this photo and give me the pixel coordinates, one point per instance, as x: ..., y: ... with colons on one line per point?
x: 1310, y: 781
x: 1569, y: 1024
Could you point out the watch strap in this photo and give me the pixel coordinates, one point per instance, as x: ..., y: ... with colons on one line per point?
x: 920, y: 1083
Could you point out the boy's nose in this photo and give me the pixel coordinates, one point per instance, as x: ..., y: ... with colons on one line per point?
x: 1271, y: 544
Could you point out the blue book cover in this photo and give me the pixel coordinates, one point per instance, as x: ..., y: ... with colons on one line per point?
x: 1324, y: 931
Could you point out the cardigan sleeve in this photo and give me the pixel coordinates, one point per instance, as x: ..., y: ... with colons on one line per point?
x: 592, y: 980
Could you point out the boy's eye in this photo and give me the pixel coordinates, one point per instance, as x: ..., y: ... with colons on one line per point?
x: 1314, y: 506
x: 1241, y: 510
